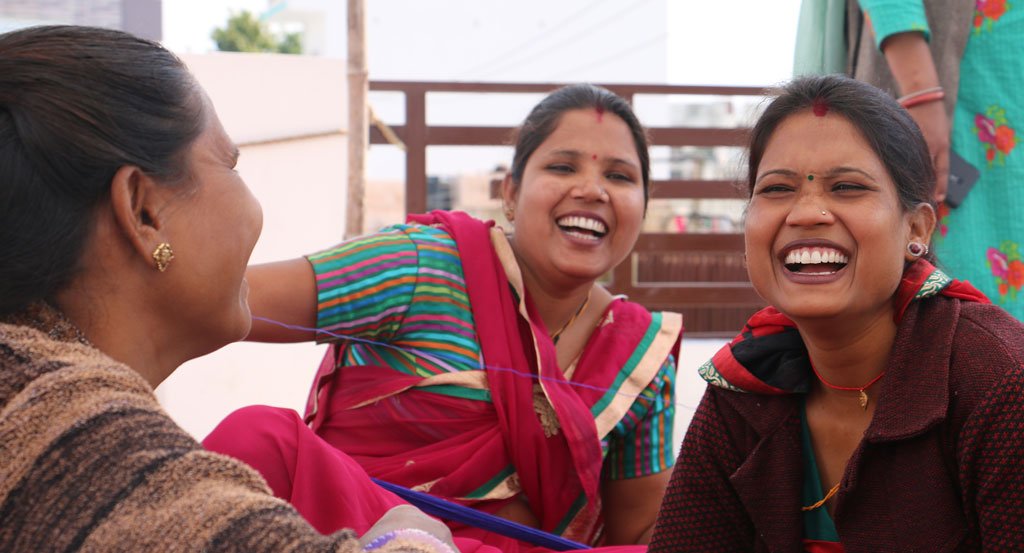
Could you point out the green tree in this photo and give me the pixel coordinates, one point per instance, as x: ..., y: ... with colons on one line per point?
x: 245, y: 33
x: 291, y: 43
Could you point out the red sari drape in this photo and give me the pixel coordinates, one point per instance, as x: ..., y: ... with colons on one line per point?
x: 475, y: 452
x: 453, y: 447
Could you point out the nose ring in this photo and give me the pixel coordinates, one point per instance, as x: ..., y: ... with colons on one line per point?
x: 823, y: 212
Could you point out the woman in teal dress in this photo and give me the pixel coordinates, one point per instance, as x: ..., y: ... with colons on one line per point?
x: 957, y: 66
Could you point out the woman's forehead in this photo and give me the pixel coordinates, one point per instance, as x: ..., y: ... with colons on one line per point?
x: 587, y: 129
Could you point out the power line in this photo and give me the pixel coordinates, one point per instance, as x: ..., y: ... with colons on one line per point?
x: 571, y: 38
x: 563, y: 75
x: 567, y: 40
x: 533, y: 40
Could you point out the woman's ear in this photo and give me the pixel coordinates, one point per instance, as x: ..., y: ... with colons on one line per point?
x: 509, y: 191
x: 137, y: 202
x: 922, y: 224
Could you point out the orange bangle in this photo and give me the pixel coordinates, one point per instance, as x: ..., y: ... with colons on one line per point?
x: 922, y: 97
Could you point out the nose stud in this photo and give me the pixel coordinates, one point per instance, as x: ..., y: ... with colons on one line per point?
x: 823, y: 212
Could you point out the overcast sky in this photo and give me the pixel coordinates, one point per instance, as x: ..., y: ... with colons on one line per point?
x: 705, y: 44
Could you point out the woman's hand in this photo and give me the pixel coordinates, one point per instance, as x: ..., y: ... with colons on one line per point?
x: 405, y: 517
x: 912, y: 66
x: 630, y: 507
x: 931, y: 117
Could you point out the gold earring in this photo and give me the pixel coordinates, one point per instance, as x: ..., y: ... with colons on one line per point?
x: 163, y: 254
x: 509, y: 214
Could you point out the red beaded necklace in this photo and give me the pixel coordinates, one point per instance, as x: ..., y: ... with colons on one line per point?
x: 863, y: 394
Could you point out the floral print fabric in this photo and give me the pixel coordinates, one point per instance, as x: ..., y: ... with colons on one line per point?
x: 979, y: 240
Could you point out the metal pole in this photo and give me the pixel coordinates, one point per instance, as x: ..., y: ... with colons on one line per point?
x: 358, y: 126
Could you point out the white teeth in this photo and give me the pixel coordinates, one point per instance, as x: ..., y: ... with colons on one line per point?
x: 582, y: 236
x: 585, y: 223
x: 815, y: 256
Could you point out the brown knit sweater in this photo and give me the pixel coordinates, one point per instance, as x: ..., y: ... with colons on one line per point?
x: 89, y: 461
x: 938, y: 470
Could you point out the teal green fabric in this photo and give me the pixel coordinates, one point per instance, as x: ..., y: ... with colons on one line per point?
x: 818, y: 525
x: 890, y: 17
x: 820, y: 38
x: 981, y: 240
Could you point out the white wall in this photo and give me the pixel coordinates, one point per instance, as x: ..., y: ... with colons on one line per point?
x: 266, y: 97
x: 689, y: 385
x: 263, y: 100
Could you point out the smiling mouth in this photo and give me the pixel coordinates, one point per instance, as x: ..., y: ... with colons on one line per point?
x: 815, y: 261
x: 582, y: 227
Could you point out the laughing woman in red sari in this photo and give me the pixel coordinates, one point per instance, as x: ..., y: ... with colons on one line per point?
x: 486, y: 368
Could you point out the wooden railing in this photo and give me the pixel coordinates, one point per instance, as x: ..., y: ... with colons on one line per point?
x: 700, y: 275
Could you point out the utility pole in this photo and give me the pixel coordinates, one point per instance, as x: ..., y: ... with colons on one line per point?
x: 358, y: 128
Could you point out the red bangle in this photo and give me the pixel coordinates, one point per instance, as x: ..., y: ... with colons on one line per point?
x: 923, y: 97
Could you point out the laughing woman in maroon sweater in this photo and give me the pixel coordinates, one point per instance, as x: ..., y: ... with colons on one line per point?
x: 876, y: 405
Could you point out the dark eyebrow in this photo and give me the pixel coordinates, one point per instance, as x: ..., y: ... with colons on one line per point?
x: 624, y: 162
x: 836, y: 171
x: 574, y: 154
x: 567, y: 153
x: 783, y: 172
x: 831, y: 173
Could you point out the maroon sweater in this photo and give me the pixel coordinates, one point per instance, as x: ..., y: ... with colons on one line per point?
x: 940, y: 468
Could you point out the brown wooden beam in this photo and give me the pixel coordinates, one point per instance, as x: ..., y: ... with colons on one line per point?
x: 497, y: 136
x: 415, y: 138
x: 622, y: 89
x: 695, y: 136
x: 667, y: 241
x: 470, y: 136
x: 710, y: 294
x: 699, y: 189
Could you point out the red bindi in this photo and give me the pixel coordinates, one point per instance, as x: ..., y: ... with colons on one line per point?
x: 600, y: 113
x: 594, y: 157
x: 819, y: 107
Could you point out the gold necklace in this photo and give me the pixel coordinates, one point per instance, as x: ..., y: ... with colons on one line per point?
x: 582, y: 307
x: 823, y: 500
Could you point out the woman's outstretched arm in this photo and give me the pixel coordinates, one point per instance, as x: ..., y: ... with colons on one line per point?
x: 285, y: 292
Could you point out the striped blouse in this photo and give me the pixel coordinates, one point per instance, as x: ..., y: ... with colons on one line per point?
x: 399, y: 298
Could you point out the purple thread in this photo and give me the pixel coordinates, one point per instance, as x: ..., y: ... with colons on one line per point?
x: 433, y: 359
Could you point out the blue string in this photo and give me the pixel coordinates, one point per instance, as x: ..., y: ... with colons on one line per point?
x: 469, y: 516
x: 442, y: 355
x: 448, y: 510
